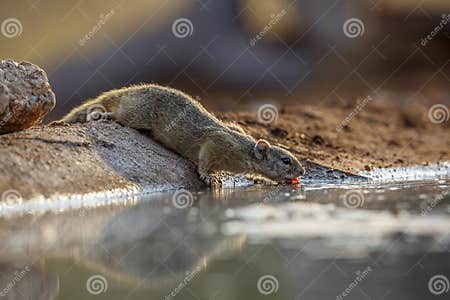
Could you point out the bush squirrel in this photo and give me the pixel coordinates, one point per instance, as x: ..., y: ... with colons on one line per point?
x: 183, y: 125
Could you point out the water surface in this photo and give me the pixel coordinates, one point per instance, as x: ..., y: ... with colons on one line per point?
x: 314, y: 241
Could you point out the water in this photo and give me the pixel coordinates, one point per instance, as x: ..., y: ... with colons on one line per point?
x: 315, y: 241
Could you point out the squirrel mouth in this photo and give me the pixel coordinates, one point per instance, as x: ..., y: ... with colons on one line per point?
x: 294, y: 180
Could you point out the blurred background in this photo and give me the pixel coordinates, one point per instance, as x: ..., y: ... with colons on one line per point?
x: 230, y: 54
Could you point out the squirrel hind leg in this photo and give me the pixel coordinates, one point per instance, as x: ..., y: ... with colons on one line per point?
x: 57, y: 123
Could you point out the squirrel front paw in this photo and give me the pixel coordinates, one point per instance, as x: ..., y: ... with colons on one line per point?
x: 211, y: 180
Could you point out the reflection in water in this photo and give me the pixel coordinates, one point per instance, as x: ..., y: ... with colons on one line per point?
x: 226, y: 244
x: 147, y: 244
x: 26, y: 281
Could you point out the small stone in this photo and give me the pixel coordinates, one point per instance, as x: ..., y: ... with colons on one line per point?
x: 368, y: 167
x: 25, y: 95
x: 347, y: 128
x: 279, y: 132
x: 317, y: 139
x: 393, y: 143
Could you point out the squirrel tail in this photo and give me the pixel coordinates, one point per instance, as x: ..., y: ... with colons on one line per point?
x: 85, y: 113
x: 92, y: 110
x: 77, y: 115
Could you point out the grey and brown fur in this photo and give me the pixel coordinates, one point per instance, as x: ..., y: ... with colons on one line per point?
x: 183, y: 125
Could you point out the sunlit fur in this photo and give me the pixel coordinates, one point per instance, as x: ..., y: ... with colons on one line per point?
x: 182, y: 124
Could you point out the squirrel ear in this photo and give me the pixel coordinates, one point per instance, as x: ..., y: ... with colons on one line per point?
x: 261, y: 147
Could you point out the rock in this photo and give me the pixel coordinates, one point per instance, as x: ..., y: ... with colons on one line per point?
x: 25, y: 95
x: 95, y: 157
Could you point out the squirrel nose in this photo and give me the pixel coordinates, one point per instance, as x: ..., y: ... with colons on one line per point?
x: 303, y: 171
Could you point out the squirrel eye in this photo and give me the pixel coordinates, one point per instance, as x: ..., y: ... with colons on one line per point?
x: 286, y: 160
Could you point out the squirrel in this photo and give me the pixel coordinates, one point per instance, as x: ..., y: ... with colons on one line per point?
x: 182, y: 124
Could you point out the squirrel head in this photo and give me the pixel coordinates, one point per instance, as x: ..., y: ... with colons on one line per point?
x: 276, y: 163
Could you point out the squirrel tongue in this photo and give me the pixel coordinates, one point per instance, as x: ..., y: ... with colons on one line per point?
x: 294, y: 180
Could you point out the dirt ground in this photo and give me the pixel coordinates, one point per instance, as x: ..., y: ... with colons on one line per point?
x: 355, y: 137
